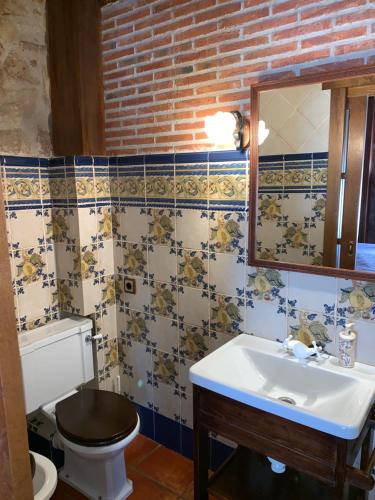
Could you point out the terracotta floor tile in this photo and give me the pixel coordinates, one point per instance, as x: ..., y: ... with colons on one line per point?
x: 146, y: 489
x: 139, y: 449
x: 65, y: 492
x: 169, y: 469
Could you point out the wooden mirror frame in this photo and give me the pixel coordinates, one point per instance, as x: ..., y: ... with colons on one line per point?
x: 270, y: 84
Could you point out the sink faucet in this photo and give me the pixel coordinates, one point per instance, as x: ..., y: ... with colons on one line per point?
x: 300, y: 350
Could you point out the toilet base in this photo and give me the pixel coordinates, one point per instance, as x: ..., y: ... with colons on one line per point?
x: 99, y: 473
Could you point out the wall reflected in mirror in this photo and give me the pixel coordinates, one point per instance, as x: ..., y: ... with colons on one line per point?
x: 316, y: 193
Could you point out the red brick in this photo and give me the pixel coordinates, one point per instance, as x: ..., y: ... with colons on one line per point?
x: 137, y: 101
x: 123, y: 73
x: 171, y: 94
x: 242, y: 70
x: 143, y: 120
x: 113, y: 144
x: 152, y: 21
x: 355, y: 16
x: 110, y: 86
x: 199, y: 101
x: 194, y: 32
x: 107, y: 67
x: 113, y: 12
x: 189, y: 125
x: 173, y: 138
x: 355, y: 47
x: 172, y: 50
x: 154, y: 130
x: 302, y: 30
x: 155, y: 87
x: 195, y: 56
x: 218, y: 12
x: 156, y: 108
x: 271, y: 51
x: 124, y: 151
x: 167, y: 5
x: 140, y: 140
x: 167, y: 28
x: 115, y: 134
x: 130, y: 18
x: 191, y: 80
x: 218, y: 87
x: 217, y: 38
x: 175, y: 117
x: 120, y: 93
x: 135, y: 81
x: 154, y: 44
x: 299, y: 59
x: 117, y: 33
x: 119, y: 54
x: 163, y: 63
x: 113, y: 124
x: 200, y: 135
x: 135, y: 38
x: 243, y: 18
x: 270, y: 23
x: 333, y: 37
x: 218, y: 63
x: 331, y: 9
x: 235, y: 96
x: 193, y: 7
x: 291, y: 5
x: 107, y: 25
x: 243, y: 44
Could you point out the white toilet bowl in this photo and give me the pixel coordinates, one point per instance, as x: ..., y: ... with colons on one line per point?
x: 98, y: 472
x: 45, y: 477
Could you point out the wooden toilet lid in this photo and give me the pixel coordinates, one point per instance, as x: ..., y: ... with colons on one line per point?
x: 95, y: 418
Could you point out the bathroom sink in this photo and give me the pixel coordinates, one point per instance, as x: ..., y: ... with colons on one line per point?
x: 319, y: 394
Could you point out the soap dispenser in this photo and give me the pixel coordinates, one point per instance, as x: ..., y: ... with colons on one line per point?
x: 347, y: 346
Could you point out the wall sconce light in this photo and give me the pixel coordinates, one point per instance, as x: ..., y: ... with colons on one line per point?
x: 228, y: 129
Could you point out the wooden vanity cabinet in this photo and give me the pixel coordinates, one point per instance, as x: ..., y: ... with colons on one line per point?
x: 317, y: 463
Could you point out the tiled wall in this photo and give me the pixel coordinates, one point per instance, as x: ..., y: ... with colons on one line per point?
x: 291, y: 207
x: 28, y: 209
x: 170, y: 63
x: 177, y: 224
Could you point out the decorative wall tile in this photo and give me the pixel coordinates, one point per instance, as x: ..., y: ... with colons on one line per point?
x: 193, y: 268
x: 227, y: 314
x: 163, y: 299
x: 135, y: 260
x: 194, y: 342
x: 227, y: 232
x: 356, y: 299
x: 312, y: 293
x: 161, y: 226
x: 308, y: 327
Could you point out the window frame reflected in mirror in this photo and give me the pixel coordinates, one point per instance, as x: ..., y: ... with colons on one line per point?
x: 340, y: 79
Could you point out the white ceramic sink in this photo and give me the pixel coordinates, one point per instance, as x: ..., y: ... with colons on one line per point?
x: 257, y: 372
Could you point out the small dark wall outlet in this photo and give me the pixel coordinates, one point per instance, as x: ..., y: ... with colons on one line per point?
x: 129, y: 285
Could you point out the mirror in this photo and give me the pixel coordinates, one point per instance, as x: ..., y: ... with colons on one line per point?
x: 313, y: 174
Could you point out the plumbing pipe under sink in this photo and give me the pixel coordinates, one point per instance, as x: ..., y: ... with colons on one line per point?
x: 276, y: 466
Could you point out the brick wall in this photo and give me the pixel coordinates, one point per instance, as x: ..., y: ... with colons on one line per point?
x: 169, y: 63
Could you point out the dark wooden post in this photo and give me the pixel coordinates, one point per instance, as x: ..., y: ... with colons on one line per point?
x: 75, y: 67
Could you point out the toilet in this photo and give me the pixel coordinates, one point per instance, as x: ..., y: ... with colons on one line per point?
x: 93, y: 427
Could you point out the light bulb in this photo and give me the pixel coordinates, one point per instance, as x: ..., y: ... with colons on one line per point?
x: 263, y: 132
x: 220, y: 128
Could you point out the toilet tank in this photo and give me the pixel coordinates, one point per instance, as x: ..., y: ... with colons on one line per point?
x: 56, y: 358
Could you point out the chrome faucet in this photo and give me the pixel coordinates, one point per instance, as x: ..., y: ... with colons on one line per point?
x: 300, y: 350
